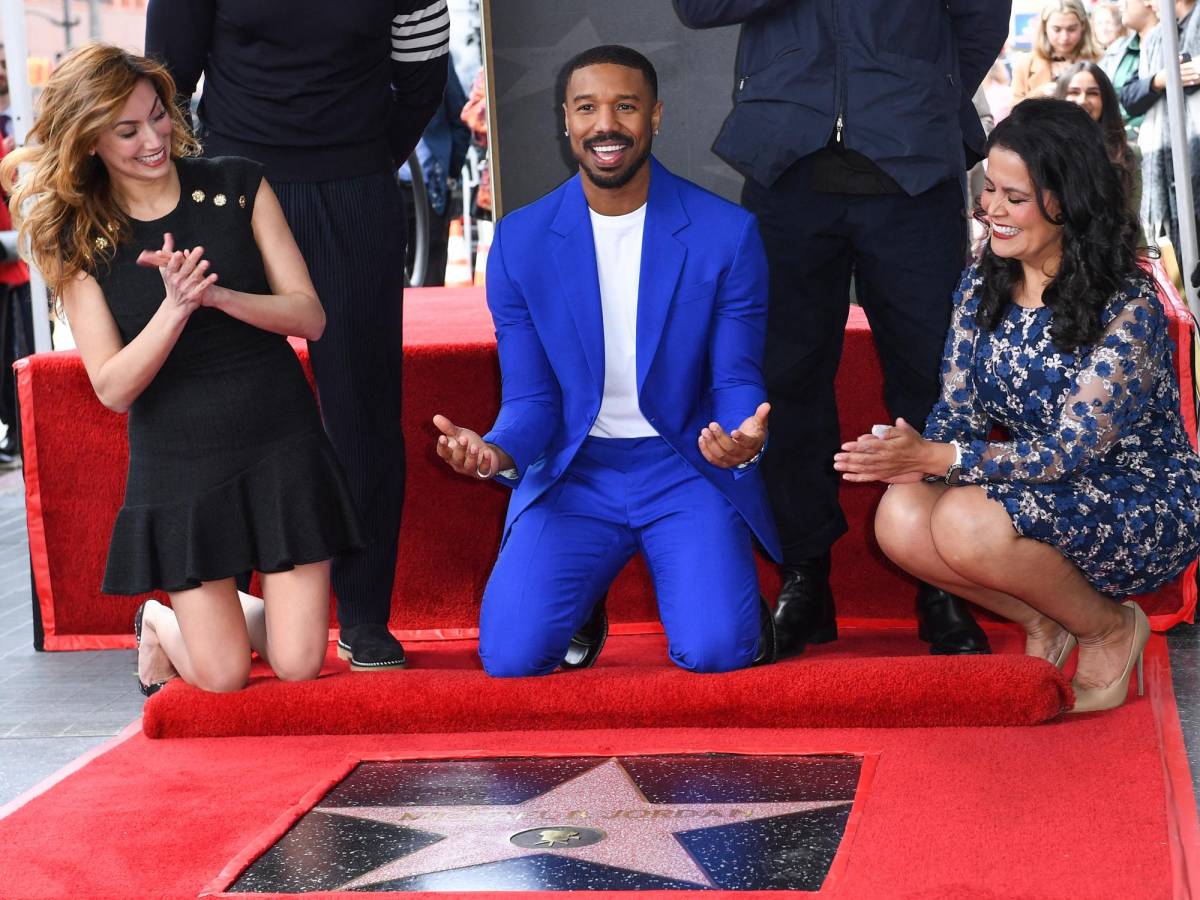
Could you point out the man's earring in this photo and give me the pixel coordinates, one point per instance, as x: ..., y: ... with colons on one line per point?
x: 566, y: 133
x: 656, y: 132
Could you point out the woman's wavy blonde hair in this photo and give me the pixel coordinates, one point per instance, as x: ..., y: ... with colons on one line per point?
x: 63, y: 203
x: 1087, y: 48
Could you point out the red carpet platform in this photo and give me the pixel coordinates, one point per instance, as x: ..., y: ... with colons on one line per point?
x: 76, y: 457
x: 1095, y: 806
x: 870, y: 678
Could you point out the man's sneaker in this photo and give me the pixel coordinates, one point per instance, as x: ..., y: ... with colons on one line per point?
x: 370, y: 647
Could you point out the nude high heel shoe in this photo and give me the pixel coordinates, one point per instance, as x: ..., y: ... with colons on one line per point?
x: 1064, y: 652
x: 1114, y: 694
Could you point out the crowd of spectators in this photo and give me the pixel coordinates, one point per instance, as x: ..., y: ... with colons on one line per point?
x: 1108, y: 57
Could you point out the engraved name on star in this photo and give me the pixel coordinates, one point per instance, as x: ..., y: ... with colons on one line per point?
x: 640, y: 835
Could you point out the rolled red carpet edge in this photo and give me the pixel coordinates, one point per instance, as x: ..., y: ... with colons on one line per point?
x: 884, y: 692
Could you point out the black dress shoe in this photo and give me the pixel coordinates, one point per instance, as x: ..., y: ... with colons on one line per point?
x: 804, y: 612
x: 370, y: 647
x: 945, y: 623
x: 588, y: 641
x: 768, y: 645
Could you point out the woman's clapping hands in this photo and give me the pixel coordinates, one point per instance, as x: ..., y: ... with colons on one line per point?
x: 185, y: 274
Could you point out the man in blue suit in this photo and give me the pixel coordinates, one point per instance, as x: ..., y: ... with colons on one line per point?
x: 630, y: 311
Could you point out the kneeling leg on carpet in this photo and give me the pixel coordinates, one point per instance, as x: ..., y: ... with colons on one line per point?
x: 551, y: 572
x: 702, y: 562
x: 564, y: 550
x: 207, y: 634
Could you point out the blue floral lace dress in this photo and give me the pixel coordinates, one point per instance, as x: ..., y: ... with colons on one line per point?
x: 1098, y: 464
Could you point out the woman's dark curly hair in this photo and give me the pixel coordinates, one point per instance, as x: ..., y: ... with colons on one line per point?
x: 1115, y: 140
x: 1064, y: 151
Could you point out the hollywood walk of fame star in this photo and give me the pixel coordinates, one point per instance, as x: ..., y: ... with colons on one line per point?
x: 640, y: 835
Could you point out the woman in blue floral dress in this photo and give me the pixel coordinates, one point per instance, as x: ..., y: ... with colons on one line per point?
x: 1058, y: 338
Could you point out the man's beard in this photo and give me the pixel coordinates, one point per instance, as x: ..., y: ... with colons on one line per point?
x: 617, y: 179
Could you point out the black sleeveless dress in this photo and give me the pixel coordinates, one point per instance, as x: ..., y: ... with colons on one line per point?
x: 229, y: 467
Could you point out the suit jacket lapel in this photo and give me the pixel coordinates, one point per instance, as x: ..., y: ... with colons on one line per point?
x: 575, y: 261
x: 663, y: 256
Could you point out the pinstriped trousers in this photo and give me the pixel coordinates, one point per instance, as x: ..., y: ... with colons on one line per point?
x: 352, y: 233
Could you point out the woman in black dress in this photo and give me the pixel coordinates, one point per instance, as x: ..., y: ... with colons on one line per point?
x: 181, y: 280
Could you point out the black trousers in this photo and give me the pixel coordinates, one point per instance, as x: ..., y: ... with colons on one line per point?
x: 352, y: 234
x: 905, y: 254
x: 16, y: 341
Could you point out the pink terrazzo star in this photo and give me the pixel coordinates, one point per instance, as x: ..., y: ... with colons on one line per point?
x: 638, y: 834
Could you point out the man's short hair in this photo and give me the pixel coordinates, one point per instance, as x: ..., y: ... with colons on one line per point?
x: 609, y: 54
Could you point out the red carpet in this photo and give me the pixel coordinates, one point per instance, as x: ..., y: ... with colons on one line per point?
x: 1087, y: 807
x: 76, y: 459
x: 864, y: 683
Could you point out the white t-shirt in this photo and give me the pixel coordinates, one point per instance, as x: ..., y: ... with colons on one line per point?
x: 619, y: 264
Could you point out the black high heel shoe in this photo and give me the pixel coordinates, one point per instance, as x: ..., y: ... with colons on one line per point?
x: 147, y: 690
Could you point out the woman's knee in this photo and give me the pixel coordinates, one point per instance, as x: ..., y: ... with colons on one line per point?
x: 902, y: 522
x: 221, y: 676
x: 297, y: 664
x: 970, y: 531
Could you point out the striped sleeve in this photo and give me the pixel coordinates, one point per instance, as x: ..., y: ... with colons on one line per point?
x: 422, y: 34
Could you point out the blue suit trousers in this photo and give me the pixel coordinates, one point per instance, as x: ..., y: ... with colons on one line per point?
x: 619, y: 496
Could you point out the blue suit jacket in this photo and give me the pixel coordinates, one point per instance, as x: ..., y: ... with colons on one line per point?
x: 701, y: 321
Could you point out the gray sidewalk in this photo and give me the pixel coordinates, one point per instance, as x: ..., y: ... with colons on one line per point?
x: 56, y: 706
x: 53, y: 706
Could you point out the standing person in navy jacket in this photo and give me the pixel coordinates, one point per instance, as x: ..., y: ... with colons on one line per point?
x: 853, y: 126
x: 331, y: 98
